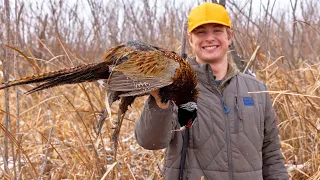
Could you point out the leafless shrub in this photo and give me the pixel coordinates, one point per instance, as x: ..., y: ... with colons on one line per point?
x: 58, y: 34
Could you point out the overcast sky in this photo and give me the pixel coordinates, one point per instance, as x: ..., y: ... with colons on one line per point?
x: 279, y: 5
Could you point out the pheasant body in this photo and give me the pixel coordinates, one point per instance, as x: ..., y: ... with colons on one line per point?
x: 130, y: 70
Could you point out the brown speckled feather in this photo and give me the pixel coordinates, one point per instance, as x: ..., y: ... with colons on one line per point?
x: 143, y: 72
x: 129, y: 70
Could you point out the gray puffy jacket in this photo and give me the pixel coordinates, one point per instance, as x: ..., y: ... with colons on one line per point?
x: 234, y: 137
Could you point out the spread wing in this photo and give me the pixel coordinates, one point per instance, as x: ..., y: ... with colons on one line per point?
x: 143, y: 72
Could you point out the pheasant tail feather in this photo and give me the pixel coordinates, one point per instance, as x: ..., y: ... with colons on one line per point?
x: 78, y: 74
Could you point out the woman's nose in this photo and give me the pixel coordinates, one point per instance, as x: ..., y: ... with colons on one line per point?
x: 210, y: 36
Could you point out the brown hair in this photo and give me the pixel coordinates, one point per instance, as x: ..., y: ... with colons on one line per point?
x: 229, y: 31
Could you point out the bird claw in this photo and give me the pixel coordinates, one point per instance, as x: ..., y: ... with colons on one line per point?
x: 180, y: 130
x: 101, y: 119
x: 189, y: 124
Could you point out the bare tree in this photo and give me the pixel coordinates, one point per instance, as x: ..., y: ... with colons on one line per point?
x: 17, y: 38
x: 222, y: 2
x: 87, y: 30
x: 6, y: 78
x: 294, y: 28
x: 235, y: 56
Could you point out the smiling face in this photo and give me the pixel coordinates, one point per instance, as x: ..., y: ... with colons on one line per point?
x: 210, y: 43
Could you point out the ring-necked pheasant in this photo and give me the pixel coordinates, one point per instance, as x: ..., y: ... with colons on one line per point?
x: 130, y: 70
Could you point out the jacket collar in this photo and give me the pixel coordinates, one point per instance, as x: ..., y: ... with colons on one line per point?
x: 205, y: 74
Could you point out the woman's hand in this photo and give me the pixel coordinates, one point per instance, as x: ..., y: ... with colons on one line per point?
x: 156, y: 96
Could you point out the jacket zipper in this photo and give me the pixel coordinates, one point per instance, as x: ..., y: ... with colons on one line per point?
x: 236, y: 116
x: 226, y: 111
x: 229, y: 153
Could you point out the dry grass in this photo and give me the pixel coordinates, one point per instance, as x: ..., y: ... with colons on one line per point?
x: 296, y: 99
x: 75, y: 152
x: 287, y: 62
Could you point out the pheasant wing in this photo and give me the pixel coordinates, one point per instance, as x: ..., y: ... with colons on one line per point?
x: 143, y: 72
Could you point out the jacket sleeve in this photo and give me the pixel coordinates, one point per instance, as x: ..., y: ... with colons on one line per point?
x: 154, y: 128
x: 273, y: 161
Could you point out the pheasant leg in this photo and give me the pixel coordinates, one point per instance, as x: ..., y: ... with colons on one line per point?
x: 116, y: 133
x: 101, y: 120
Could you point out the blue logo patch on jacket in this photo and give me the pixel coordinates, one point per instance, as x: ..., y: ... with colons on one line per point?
x: 248, y: 101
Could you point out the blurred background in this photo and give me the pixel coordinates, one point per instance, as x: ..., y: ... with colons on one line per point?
x: 51, y: 134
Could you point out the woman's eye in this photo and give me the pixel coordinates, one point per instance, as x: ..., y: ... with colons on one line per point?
x: 218, y: 30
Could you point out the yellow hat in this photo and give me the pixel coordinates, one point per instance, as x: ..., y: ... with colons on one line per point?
x: 208, y: 13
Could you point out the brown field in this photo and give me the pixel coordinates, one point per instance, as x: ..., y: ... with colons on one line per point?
x: 54, y: 130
